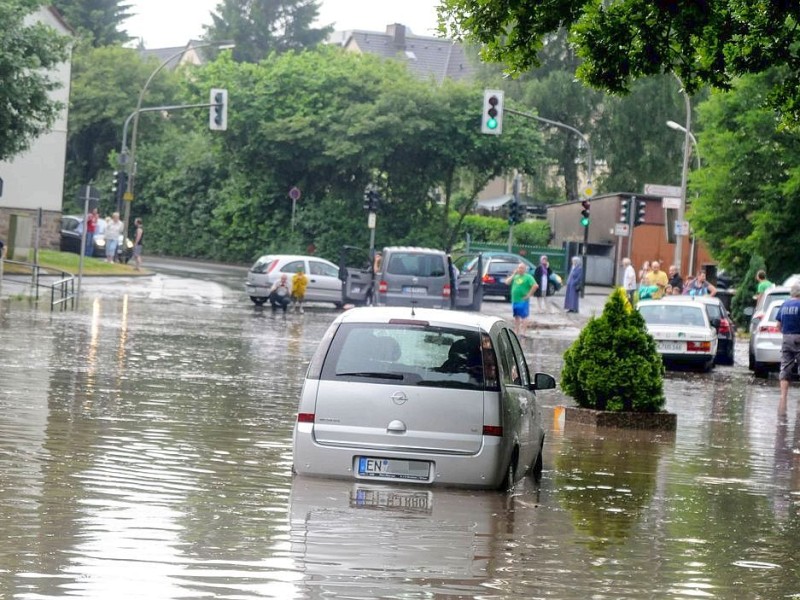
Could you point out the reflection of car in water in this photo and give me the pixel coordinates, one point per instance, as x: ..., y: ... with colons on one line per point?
x: 364, y: 539
x: 422, y: 396
x: 406, y: 276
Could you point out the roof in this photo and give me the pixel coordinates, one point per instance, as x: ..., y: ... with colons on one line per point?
x: 425, y: 56
x: 180, y: 54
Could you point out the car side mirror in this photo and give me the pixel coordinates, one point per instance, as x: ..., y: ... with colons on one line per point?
x: 544, y: 381
x: 748, y: 312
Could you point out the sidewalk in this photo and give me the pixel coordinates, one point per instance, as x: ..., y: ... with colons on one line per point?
x: 591, y: 305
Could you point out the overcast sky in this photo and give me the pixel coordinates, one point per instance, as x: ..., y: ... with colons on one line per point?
x: 167, y: 23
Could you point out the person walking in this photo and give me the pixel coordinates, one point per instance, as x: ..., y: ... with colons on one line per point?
x: 91, y: 231
x: 542, y: 278
x: 629, y: 279
x: 138, y: 243
x: 574, y: 282
x: 113, y: 230
x: 299, y: 285
x: 523, y: 285
x: 788, y: 318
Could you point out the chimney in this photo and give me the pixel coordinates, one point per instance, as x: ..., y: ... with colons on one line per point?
x: 398, y: 33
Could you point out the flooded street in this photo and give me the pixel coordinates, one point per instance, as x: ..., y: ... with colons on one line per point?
x: 145, y: 452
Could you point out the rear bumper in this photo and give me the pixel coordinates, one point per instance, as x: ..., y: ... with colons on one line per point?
x: 484, y: 469
x: 688, y: 359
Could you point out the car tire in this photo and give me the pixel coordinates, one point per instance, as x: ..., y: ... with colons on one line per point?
x: 338, y: 305
x: 760, y: 371
x: 751, y: 361
x: 511, y: 475
x: 538, y: 465
x: 708, y: 366
x: 258, y: 301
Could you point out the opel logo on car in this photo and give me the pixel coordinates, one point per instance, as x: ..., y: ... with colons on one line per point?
x: 399, y: 398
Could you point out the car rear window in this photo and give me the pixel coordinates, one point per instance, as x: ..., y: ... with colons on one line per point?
x: 417, y: 264
x: 502, y: 267
x: 774, y: 312
x: 423, y: 355
x: 262, y: 265
x: 670, y: 314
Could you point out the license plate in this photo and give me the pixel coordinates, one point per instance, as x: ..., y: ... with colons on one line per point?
x: 393, y: 468
x: 392, y: 500
x: 411, y: 289
x: 671, y: 346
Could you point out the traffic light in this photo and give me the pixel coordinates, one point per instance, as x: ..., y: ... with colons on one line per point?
x: 371, y: 200
x: 625, y: 211
x: 641, y: 208
x: 118, y: 185
x: 218, y: 111
x: 492, y: 115
x: 514, y: 213
x: 585, y: 213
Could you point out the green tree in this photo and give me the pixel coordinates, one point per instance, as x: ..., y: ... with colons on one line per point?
x: 28, y: 53
x: 704, y: 43
x: 749, y: 188
x: 97, y: 21
x: 259, y: 27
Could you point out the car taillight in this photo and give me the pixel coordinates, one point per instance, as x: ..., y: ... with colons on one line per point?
x: 698, y: 346
x: 724, y: 326
x: 488, y: 279
x: 446, y: 290
x: 769, y: 329
x: 493, y: 430
x: 305, y: 417
x: 383, y: 287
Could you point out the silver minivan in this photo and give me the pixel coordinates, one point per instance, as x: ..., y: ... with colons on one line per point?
x: 420, y: 396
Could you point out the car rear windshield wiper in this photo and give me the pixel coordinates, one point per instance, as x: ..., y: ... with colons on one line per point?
x: 374, y: 374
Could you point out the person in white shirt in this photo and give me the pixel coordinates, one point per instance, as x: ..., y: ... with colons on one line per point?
x: 113, y: 231
x: 629, y: 278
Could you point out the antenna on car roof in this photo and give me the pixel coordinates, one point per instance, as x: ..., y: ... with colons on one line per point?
x: 413, y: 304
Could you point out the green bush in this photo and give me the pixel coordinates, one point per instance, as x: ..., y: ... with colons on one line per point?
x: 614, y: 364
x: 494, y: 230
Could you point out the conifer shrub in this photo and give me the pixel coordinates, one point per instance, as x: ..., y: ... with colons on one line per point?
x: 614, y: 364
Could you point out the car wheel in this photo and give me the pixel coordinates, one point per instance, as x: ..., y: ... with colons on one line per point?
x: 760, y: 371
x: 751, y: 361
x: 258, y: 301
x: 536, y: 469
x: 511, y: 474
x: 338, y: 305
x: 708, y: 366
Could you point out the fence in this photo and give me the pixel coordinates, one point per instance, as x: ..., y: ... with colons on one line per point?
x: 28, y: 276
x: 556, y: 256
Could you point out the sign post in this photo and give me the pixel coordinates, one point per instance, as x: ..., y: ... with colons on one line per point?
x: 294, y: 194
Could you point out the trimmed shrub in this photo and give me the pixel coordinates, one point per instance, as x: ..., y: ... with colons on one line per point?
x: 614, y: 364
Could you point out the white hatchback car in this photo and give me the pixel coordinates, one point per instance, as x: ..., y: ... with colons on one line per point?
x: 767, y: 341
x: 323, y: 277
x: 682, y: 331
x: 420, y: 396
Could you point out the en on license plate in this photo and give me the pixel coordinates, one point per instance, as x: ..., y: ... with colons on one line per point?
x: 393, y: 468
x: 411, y: 289
x: 421, y: 501
x: 671, y: 346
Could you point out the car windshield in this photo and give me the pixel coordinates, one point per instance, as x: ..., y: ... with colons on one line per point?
x: 670, y: 314
x: 420, y: 355
x: 417, y: 264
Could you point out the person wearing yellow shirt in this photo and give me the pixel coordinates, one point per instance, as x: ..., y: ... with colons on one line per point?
x: 299, y: 285
x: 657, y: 278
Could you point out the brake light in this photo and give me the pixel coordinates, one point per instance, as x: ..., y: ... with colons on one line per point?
x: 698, y: 346
x: 488, y: 279
x: 383, y: 287
x: 724, y: 326
x: 446, y: 290
x: 305, y: 417
x: 493, y: 430
x: 769, y: 329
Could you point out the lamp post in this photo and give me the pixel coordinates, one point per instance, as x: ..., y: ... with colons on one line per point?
x: 129, y: 160
x: 678, y: 127
x: 684, y: 176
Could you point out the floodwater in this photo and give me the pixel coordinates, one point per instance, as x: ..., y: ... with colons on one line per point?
x: 145, y: 452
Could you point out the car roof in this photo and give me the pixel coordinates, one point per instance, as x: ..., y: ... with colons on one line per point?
x: 685, y: 299
x: 676, y: 301
x: 439, y: 317
x: 412, y: 249
x: 290, y: 257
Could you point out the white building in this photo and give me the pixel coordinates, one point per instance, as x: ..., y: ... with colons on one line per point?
x: 34, y: 180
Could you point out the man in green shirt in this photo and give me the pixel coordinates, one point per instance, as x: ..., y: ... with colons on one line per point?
x: 522, y: 288
x: 763, y: 283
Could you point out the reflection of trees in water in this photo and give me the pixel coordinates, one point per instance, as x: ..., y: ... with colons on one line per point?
x: 607, y: 478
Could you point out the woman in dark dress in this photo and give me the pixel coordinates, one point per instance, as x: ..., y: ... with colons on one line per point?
x: 574, y: 281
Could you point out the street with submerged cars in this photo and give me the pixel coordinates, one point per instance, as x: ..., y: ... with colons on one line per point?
x: 420, y: 396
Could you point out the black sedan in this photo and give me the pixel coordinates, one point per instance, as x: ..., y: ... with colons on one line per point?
x: 71, y: 237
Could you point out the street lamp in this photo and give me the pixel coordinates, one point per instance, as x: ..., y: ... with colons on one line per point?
x: 684, y: 175
x: 688, y: 136
x: 129, y: 160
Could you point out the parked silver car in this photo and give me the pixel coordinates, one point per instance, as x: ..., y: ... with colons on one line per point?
x: 421, y: 396
x: 766, y: 341
x: 323, y: 277
x: 682, y: 330
x: 776, y: 292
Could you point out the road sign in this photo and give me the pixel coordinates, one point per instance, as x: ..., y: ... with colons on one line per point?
x: 88, y: 192
x: 127, y: 196
x: 670, y: 202
x: 681, y: 227
x: 295, y: 194
x: 622, y: 229
x: 654, y: 189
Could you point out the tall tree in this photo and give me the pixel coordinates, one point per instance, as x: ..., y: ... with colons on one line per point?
x: 259, y: 27
x: 704, y: 43
x: 28, y: 52
x: 97, y: 21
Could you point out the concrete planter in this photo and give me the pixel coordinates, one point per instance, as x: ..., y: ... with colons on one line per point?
x: 660, y: 421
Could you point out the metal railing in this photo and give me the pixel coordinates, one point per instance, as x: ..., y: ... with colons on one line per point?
x: 29, y: 276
